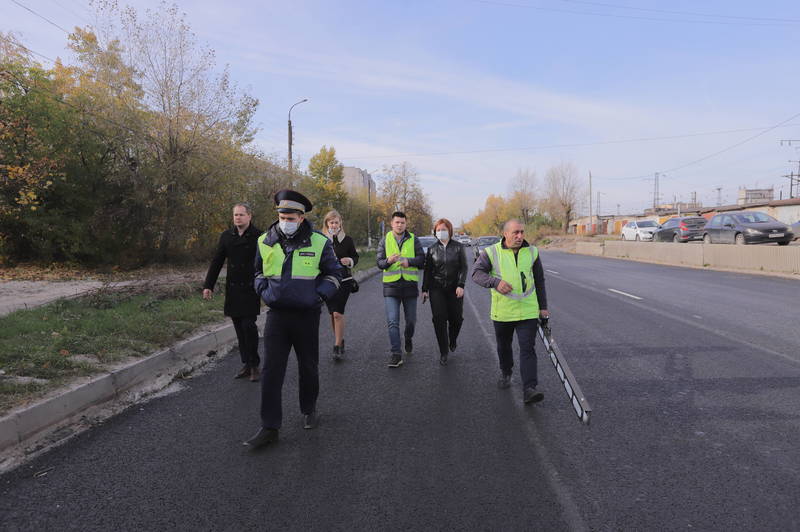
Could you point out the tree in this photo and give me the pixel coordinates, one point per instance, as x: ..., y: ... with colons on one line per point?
x: 522, y: 194
x: 400, y: 191
x: 325, y: 181
x: 562, y: 192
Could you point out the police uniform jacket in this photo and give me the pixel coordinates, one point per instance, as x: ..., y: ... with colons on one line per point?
x: 240, y: 298
x: 401, y: 288
x: 285, y: 293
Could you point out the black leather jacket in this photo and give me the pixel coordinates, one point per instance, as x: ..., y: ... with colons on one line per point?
x: 445, y: 266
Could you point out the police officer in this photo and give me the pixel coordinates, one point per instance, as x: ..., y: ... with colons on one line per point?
x: 513, y: 271
x: 296, y: 269
x: 242, y: 304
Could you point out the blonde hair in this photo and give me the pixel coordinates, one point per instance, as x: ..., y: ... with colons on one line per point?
x: 330, y: 216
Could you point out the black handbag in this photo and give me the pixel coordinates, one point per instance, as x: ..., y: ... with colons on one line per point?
x: 354, y: 287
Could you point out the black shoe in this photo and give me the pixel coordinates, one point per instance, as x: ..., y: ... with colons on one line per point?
x: 504, y: 382
x: 244, y: 372
x: 409, y: 346
x: 396, y: 361
x: 530, y: 395
x: 310, y: 421
x: 341, y: 348
x: 452, y: 345
x: 443, y: 360
x: 263, y: 437
x: 337, y: 353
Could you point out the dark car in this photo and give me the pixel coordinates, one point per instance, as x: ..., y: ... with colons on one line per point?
x: 746, y: 227
x: 681, y: 229
x: 483, y: 242
x: 795, y: 228
x: 426, y: 242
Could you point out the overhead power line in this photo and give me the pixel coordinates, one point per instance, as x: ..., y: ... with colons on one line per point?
x: 783, y: 22
x: 685, y: 13
x: 23, y: 6
x: 571, y: 145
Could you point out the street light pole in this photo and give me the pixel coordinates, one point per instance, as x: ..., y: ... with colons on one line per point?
x: 290, y: 133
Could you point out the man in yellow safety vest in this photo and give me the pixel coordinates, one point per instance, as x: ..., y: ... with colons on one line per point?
x: 296, y: 269
x: 401, y: 258
x: 513, y: 271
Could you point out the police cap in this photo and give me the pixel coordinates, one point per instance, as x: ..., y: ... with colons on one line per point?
x: 292, y: 201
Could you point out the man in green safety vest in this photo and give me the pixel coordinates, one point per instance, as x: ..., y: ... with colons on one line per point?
x: 513, y: 271
x: 401, y: 258
x: 296, y: 269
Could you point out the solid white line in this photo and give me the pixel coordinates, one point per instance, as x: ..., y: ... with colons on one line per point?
x: 552, y: 271
x: 572, y: 514
x: 696, y: 316
x: 624, y: 294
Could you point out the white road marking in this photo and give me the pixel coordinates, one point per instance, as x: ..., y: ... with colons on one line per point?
x: 624, y: 294
x: 696, y: 316
x: 571, y: 511
x: 552, y: 271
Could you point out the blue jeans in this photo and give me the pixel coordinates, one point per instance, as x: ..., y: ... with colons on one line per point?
x: 393, y: 319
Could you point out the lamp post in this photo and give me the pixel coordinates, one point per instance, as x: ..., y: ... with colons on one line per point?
x: 290, y: 133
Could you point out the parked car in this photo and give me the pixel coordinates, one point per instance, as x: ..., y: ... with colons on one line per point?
x: 746, y: 227
x: 426, y: 242
x: 641, y: 230
x: 681, y: 229
x: 463, y: 239
x: 795, y: 228
x: 483, y: 242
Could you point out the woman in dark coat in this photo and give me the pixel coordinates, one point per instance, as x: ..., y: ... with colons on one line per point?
x: 346, y: 252
x: 238, y: 245
x: 443, y: 281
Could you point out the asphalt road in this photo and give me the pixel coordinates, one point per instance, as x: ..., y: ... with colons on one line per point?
x: 695, y: 425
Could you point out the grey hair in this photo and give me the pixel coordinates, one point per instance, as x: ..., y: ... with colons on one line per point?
x: 246, y: 207
x: 512, y: 220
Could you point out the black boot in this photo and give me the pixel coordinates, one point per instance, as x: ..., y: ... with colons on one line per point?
x: 337, y: 353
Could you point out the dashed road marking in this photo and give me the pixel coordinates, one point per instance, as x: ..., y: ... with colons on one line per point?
x: 552, y: 271
x: 626, y: 294
x: 696, y: 316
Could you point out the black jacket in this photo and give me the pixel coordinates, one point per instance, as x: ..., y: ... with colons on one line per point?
x: 345, y: 248
x: 401, y: 288
x: 445, y: 266
x: 240, y: 297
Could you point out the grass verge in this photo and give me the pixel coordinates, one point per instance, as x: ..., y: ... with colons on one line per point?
x: 42, y: 348
x: 366, y: 260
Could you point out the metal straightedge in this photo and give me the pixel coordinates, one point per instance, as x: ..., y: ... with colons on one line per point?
x: 574, y: 393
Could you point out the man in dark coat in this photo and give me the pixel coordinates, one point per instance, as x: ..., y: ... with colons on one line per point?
x: 239, y: 245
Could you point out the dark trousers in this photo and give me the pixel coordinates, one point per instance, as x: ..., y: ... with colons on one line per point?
x: 448, y: 311
x: 283, y: 330
x: 526, y: 337
x: 247, y: 334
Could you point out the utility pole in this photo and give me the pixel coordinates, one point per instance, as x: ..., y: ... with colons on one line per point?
x: 598, y: 205
x: 617, y: 209
x: 719, y: 196
x: 290, y: 134
x: 590, y: 202
x: 655, y: 192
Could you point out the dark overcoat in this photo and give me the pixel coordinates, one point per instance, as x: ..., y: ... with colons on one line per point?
x: 241, y: 298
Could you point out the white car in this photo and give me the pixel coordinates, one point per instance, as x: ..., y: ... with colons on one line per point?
x: 641, y: 230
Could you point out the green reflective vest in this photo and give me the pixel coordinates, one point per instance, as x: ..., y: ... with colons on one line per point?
x: 396, y: 271
x: 305, y: 261
x: 521, y: 303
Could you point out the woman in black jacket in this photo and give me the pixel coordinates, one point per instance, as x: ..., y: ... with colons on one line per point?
x: 346, y: 252
x: 443, y: 281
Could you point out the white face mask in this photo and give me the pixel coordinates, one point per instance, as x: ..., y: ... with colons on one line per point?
x: 288, y: 228
x: 444, y: 236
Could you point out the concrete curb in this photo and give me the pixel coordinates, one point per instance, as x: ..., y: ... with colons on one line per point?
x: 128, y: 383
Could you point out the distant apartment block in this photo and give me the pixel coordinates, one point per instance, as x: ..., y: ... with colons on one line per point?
x: 748, y: 196
x: 357, y: 181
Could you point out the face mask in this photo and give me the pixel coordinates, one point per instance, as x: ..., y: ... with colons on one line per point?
x: 288, y: 228
x: 444, y: 236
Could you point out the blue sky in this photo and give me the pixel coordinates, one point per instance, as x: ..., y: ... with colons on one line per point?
x: 506, y: 81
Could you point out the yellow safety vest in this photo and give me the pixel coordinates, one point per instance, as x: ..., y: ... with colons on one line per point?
x: 396, y: 271
x: 305, y: 261
x: 521, y: 303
